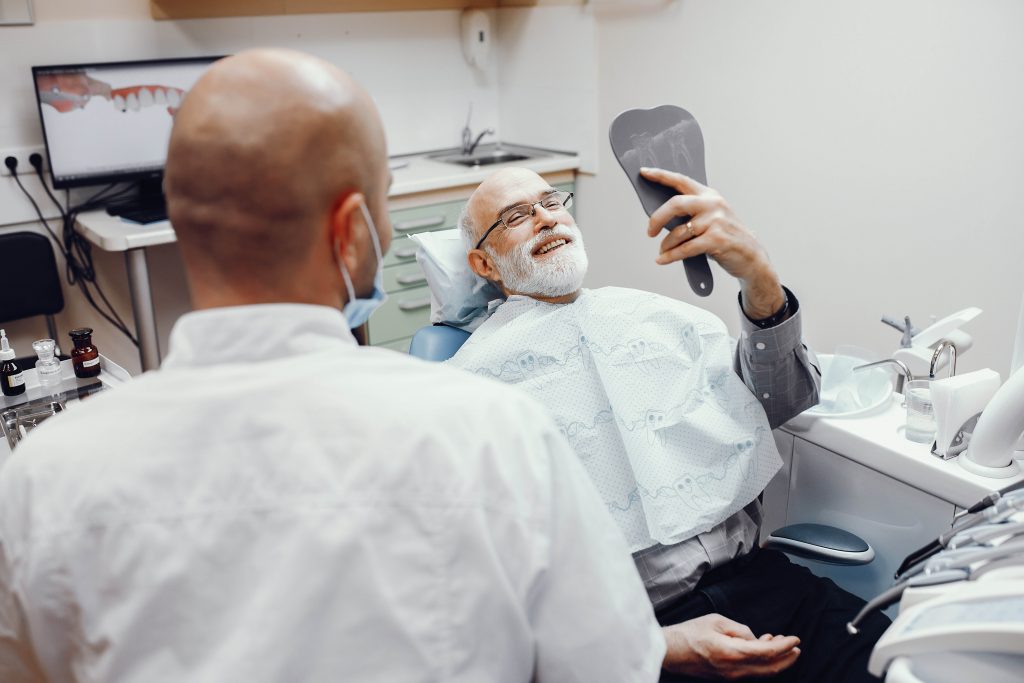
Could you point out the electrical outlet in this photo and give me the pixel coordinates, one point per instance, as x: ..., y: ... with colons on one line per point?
x: 22, y: 154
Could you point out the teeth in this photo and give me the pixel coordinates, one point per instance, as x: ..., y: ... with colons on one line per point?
x: 173, y: 97
x: 145, y: 97
x: 160, y: 97
x: 119, y: 102
x: 132, y: 101
x: 551, y: 245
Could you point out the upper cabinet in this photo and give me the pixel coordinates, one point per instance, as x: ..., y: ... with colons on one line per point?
x: 194, y: 9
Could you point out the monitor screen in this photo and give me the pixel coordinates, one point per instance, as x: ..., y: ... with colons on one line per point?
x: 109, y: 122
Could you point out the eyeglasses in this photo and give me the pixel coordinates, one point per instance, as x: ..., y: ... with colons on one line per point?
x: 522, y: 214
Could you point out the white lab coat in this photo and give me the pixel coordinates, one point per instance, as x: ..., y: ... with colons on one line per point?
x: 278, y: 504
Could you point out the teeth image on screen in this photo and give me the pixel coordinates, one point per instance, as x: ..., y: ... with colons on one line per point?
x: 127, y: 131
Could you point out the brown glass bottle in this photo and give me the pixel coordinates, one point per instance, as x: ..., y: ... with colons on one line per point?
x: 84, y: 357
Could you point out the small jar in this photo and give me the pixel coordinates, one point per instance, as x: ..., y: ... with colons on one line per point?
x: 84, y: 357
x: 47, y: 367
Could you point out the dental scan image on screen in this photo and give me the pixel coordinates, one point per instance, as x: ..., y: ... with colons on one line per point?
x: 102, y: 121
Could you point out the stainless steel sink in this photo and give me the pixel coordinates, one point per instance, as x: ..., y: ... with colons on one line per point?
x: 486, y: 158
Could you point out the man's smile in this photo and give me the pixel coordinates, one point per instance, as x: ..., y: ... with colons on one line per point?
x: 550, y: 245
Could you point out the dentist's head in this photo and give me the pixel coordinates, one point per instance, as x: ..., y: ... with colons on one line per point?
x: 276, y: 183
x: 520, y: 235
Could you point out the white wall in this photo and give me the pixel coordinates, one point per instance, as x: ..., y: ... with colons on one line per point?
x: 548, y: 80
x: 875, y: 147
x: 411, y: 62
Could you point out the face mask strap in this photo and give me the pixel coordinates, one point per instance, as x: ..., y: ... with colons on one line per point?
x: 376, y: 248
x: 373, y: 232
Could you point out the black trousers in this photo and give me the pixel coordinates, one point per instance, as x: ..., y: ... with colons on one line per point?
x: 770, y: 594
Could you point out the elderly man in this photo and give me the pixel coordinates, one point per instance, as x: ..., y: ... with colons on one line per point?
x: 673, y: 428
x: 279, y: 504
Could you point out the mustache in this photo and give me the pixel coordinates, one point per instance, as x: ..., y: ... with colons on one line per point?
x: 572, y: 234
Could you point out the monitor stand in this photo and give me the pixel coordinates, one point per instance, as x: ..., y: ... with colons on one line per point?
x: 145, y: 206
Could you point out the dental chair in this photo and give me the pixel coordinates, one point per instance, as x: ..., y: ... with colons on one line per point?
x: 820, y: 542
x: 437, y: 342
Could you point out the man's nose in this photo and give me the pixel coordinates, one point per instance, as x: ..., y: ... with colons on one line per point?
x: 543, y: 219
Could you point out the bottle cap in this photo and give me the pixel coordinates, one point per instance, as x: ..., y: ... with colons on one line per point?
x: 80, y: 333
x: 6, y: 352
x: 44, y: 348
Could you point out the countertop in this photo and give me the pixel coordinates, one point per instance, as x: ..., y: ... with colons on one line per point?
x: 420, y: 173
x: 877, y: 441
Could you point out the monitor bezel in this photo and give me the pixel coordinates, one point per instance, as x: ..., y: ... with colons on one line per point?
x: 64, y: 182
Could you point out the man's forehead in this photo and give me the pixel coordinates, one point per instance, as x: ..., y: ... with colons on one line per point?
x: 510, y: 188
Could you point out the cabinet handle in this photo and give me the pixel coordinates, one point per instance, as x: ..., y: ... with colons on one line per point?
x: 411, y: 279
x: 415, y: 304
x: 407, y: 252
x: 419, y: 223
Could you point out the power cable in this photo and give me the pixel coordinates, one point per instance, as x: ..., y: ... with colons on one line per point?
x: 75, y: 249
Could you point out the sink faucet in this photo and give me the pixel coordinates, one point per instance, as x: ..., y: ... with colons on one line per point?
x: 943, y: 345
x: 903, y: 374
x: 468, y: 143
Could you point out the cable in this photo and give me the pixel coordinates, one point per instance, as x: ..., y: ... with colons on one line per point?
x: 77, y: 256
x: 36, y: 161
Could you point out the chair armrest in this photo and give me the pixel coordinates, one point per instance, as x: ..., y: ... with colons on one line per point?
x: 822, y: 543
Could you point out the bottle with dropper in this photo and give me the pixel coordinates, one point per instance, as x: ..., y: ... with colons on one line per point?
x: 12, y: 379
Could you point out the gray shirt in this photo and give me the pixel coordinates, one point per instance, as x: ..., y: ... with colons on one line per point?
x: 782, y: 373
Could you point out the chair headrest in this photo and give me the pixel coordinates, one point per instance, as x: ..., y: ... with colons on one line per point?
x: 458, y: 296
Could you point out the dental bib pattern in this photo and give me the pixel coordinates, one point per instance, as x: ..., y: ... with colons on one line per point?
x: 643, y: 388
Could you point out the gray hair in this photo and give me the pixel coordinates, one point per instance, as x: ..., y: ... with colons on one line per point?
x: 467, y: 228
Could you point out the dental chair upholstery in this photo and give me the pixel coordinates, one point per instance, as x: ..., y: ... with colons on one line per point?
x: 819, y: 542
x: 437, y: 342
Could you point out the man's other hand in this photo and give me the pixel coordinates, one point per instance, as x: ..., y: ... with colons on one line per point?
x: 714, y: 229
x: 715, y: 647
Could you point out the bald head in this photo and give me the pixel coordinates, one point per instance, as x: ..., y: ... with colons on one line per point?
x: 264, y: 148
x: 492, y: 195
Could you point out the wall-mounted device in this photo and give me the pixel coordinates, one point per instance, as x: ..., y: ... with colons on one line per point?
x: 476, y: 37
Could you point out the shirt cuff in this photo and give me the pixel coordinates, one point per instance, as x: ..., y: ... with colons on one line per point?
x: 770, y: 344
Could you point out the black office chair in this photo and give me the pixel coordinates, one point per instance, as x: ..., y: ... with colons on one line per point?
x: 29, y: 283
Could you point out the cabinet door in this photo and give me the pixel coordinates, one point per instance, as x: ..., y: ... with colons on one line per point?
x: 775, y: 500
x: 401, y: 315
x: 826, y: 488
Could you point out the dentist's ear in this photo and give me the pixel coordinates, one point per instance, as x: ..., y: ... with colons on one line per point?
x: 346, y: 240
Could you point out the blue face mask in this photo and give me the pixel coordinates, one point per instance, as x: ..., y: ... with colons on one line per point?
x: 357, y: 311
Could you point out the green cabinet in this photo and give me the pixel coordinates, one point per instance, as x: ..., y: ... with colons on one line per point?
x: 408, y: 306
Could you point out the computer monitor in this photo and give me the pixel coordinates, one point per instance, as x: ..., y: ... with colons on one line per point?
x: 110, y: 122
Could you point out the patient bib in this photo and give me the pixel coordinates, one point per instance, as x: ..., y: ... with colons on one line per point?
x: 643, y: 388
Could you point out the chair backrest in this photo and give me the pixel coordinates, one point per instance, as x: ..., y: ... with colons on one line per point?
x: 29, y: 279
x: 437, y: 342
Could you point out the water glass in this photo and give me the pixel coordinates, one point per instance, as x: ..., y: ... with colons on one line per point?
x: 920, y: 413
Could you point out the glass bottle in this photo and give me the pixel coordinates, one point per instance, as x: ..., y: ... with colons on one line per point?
x: 84, y: 357
x: 11, y: 376
x: 47, y: 367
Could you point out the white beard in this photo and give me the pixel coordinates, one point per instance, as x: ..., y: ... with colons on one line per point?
x: 559, y: 274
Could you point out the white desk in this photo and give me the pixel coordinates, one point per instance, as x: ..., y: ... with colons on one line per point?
x: 111, y: 233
